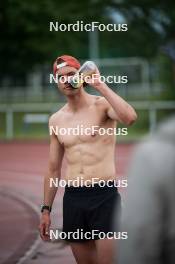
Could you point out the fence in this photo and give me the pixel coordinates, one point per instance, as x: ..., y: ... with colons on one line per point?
x: 9, y: 110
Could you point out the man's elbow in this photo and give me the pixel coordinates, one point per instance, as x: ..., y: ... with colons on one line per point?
x: 54, y: 170
x: 131, y: 118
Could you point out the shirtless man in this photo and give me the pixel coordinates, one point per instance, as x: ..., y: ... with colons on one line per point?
x: 88, y: 156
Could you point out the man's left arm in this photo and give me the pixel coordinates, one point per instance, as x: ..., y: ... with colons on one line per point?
x: 117, y: 108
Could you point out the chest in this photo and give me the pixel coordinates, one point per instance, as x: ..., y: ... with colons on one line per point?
x: 82, y: 127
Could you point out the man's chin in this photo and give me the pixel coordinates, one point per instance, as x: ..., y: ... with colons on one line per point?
x: 70, y: 91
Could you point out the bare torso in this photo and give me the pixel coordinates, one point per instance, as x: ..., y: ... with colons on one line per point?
x: 88, y: 156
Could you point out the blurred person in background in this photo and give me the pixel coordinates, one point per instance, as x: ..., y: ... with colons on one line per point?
x: 148, y: 215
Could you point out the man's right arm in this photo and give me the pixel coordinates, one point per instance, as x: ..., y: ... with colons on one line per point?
x: 54, y: 168
x: 54, y: 171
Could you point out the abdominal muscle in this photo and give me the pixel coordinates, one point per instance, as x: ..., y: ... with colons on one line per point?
x: 88, y: 161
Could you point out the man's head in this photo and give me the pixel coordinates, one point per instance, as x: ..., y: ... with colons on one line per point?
x: 65, y: 66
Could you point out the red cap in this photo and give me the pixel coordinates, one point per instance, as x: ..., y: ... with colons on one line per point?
x: 67, y: 61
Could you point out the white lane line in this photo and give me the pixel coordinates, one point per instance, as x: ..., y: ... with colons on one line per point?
x: 32, y: 249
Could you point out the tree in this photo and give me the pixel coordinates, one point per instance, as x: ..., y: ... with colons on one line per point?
x: 27, y: 42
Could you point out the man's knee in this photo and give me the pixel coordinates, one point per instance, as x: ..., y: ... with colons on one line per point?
x: 84, y: 253
x: 104, y: 251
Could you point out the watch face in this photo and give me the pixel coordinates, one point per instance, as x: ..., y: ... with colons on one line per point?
x: 45, y: 207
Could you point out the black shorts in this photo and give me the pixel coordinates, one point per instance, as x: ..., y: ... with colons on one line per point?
x: 86, y: 209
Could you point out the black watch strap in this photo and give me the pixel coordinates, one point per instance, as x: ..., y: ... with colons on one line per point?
x: 46, y: 207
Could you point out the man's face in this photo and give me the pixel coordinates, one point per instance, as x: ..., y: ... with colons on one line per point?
x: 63, y: 75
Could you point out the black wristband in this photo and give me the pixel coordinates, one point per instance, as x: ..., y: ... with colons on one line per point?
x: 46, y: 207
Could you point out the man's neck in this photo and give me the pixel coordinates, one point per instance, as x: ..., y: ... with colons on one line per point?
x: 78, y: 101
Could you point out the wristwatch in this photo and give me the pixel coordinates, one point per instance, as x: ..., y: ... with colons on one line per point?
x: 46, y: 207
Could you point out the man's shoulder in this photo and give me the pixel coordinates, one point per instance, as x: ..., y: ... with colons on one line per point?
x: 55, y: 117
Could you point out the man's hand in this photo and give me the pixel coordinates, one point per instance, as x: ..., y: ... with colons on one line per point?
x: 44, y: 226
x: 95, y: 80
x: 117, y: 108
